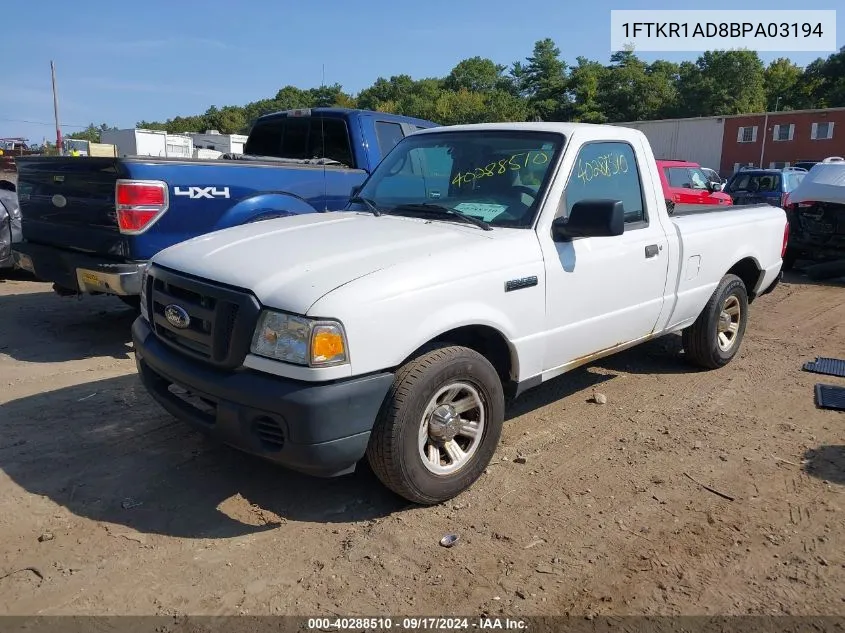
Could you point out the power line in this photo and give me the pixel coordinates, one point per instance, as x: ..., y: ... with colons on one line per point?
x: 41, y: 123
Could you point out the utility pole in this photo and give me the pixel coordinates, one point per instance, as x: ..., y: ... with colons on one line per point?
x: 56, y: 111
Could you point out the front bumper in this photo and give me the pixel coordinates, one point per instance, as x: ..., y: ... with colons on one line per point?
x: 77, y: 271
x: 321, y: 429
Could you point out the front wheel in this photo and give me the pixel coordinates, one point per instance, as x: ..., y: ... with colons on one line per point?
x: 715, y: 337
x: 439, y: 425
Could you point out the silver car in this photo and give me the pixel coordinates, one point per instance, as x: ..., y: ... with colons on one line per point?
x: 10, y: 226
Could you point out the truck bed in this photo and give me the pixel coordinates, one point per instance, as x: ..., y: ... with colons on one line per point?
x: 699, y: 209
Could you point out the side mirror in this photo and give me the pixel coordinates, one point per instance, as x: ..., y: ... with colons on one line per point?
x: 591, y: 218
x: 714, y: 186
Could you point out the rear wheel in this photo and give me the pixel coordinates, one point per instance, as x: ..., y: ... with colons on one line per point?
x: 439, y: 425
x: 715, y: 337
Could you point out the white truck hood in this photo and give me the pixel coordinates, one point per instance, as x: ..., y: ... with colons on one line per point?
x: 290, y: 263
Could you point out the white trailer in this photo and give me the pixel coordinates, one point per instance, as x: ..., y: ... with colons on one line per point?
x: 141, y: 142
x: 225, y: 143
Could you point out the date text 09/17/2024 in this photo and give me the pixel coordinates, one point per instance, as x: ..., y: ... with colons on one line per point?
x: 416, y: 624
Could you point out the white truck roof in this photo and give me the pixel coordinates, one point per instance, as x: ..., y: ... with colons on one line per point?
x: 597, y: 130
x: 825, y: 182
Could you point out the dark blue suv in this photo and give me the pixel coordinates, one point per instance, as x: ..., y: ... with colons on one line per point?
x: 752, y: 185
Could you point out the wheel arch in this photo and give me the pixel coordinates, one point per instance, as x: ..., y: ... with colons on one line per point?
x: 487, y: 340
x: 748, y: 269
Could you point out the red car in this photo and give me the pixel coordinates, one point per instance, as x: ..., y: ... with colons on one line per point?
x: 684, y: 183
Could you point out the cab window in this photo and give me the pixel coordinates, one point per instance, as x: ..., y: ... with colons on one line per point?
x: 607, y: 170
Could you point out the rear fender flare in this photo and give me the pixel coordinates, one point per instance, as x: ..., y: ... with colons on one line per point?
x: 263, y: 204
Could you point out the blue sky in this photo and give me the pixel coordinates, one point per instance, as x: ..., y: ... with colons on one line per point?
x: 119, y: 62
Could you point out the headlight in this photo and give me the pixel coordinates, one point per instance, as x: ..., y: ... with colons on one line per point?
x: 299, y: 340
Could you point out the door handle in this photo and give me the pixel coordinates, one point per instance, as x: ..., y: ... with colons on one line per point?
x: 651, y: 251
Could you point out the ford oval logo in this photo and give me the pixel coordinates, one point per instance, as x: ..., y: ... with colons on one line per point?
x: 176, y: 316
x: 59, y: 201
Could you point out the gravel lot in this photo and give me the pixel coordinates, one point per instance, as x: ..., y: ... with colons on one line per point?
x: 110, y: 506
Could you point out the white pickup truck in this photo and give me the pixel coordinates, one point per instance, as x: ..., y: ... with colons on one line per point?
x: 476, y: 262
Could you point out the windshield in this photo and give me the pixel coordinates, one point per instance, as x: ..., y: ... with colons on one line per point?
x: 793, y: 180
x: 302, y: 138
x: 756, y: 182
x: 495, y: 176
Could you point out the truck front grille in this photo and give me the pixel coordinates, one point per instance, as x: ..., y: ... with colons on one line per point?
x: 220, y: 322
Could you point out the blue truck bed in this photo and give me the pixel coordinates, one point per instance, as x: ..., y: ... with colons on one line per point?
x: 90, y: 224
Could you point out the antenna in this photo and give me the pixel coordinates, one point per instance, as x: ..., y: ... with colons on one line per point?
x: 323, y: 151
x: 59, y: 148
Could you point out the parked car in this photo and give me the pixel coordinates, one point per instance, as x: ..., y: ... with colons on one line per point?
x: 477, y: 262
x: 90, y: 224
x: 815, y: 210
x: 685, y: 182
x: 713, y: 176
x: 10, y: 226
x: 752, y: 185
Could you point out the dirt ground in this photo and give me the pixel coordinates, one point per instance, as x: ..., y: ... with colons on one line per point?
x: 110, y: 506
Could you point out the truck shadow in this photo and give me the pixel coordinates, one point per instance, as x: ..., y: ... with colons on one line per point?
x: 798, y: 276
x: 15, y: 274
x: 660, y: 356
x: 827, y: 463
x: 106, y: 452
x: 41, y: 327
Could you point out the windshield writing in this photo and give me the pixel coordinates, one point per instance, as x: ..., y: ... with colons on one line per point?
x: 607, y: 165
x: 495, y: 176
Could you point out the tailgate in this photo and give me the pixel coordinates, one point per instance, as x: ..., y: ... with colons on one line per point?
x: 70, y: 203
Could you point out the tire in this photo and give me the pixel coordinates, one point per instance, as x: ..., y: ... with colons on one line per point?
x: 703, y: 345
x: 133, y: 301
x: 441, y: 375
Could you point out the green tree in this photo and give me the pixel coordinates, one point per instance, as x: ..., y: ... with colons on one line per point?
x: 542, y: 81
x: 91, y: 133
x: 394, y: 89
x: 631, y: 90
x: 830, y: 89
x: 478, y: 74
x: 782, y: 83
x: 328, y: 96
x: 722, y: 83
x: 584, y: 102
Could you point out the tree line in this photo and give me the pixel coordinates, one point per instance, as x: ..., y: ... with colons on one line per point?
x: 546, y: 88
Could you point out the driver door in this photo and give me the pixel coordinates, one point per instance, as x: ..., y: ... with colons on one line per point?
x: 602, y: 292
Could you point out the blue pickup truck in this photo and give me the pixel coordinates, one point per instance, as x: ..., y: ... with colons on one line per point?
x: 90, y: 224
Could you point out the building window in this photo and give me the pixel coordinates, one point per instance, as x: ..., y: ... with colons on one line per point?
x: 738, y: 166
x: 783, y: 132
x: 822, y: 131
x: 747, y: 134
x: 777, y: 165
